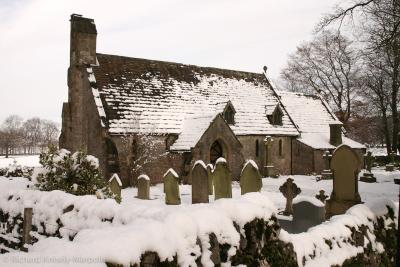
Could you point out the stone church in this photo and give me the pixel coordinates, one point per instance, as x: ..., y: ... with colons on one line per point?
x: 146, y: 116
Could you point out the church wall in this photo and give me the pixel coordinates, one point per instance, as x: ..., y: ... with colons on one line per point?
x: 303, y: 158
x: 281, y: 162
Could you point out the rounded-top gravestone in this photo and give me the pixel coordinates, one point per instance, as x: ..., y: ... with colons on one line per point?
x: 250, y: 178
x: 199, y: 183
x: 143, y: 187
x: 222, y: 178
x: 171, y: 188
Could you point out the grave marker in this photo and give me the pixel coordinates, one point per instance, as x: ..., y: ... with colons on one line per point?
x: 345, y: 165
x: 368, y: 176
x: 115, y: 186
x: 199, y: 183
x: 143, y: 187
x: 250, y: 178
x: 222, y: 178
x: 210, y: 179
x: 289, y: 191
x: 171, y: 188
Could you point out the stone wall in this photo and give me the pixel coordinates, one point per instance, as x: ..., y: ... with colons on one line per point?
x: 302, y: 158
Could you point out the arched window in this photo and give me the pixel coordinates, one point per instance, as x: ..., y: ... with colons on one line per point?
x: 112, y: 157
x: 257, y: 148
x: 216, y: 152
x: 280, y: 148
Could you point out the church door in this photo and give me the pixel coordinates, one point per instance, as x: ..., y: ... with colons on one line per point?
x: 215, y: 152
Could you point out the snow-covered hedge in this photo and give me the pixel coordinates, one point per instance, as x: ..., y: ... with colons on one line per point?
x: 16, y: 170
x: 75, y: 173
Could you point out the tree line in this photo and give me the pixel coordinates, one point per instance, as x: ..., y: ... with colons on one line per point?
x: 353, y: 62
x: 31, y: 136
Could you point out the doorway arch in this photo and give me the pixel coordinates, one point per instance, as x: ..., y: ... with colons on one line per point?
x: 112, y: 157
x: 216, y: 151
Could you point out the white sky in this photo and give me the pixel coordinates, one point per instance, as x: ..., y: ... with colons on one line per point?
x: 234, y: 34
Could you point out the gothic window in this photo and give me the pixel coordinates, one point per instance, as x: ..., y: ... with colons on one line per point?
x: 257, y: 148
x: 215, y: 152
x: 112, y: 157
x: 280, y: 148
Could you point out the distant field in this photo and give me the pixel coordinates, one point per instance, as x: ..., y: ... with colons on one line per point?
x: 24, y: 160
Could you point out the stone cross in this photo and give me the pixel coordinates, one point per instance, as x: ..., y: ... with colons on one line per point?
x: 171, y: 188
x: 321, y: 196
x: 222, y: 178
x: 250, y: 178
x: 199, y: 183
x: 327, y: 173
x: 369, y: 160
x: 210, y: 179
x: 289, y: 191
x: 269, y: 169
x: 143, y: 187
x: 346, y: 166
x: 115, y: 186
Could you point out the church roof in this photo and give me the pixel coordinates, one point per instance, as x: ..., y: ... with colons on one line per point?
x: 312, y: 116
x: 140, y: 95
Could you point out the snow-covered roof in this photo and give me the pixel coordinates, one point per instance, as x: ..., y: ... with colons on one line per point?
x: 140, y: 95
x: 312, y: 116
x: 193, y: 128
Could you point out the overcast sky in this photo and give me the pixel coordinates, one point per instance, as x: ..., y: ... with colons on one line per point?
x: 234, y: 34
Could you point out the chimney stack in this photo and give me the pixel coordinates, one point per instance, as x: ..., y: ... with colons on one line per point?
x: 83, y: 41
x: 335, y: 138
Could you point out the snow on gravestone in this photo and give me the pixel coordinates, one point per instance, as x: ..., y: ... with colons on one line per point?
x: 143, y: 187
x: 210, y: 179
x: 199, y: 183
x: 222, y: 178
x: 345, y: 165
x: 250, y: 178
x: 115, y: 185
x: 171, y: 188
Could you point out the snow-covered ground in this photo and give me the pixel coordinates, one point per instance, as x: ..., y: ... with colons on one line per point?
x: 134, y: 217
x: 23, y: 160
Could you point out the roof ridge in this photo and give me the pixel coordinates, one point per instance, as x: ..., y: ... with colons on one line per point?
x: 186, y: 65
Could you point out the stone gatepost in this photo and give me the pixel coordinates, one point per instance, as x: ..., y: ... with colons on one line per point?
x: 143, y: 186
x: 222, y: 178
x: 250, y: 178
x: 368, y: 176
x: 346, y: 166
x: 199, y: 183
x: 327, y: 174
x: 269, y: 169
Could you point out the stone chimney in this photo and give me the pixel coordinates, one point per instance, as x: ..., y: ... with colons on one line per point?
x: 335, y: 138
x: 83, y: 41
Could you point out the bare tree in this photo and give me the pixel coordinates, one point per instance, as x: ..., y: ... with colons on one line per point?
x: 328, y: 65
x: 50, y: 133
x: 11, y: 133
x: 32, y: 133
x: 379, y: 24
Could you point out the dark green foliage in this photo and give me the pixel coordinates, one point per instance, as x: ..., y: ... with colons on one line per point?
x: 77, y: 174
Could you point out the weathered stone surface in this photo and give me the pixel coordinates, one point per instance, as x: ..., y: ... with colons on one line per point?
x: 171, y: 188
x: 222, y: 178
x: 115, y: 185
x: 250, y: 179
x: 143, y: 186
x: 346, y: 166
x: 289, y: 191
x: 210, y: 179
x: 200, y: 186
x: 306, y: 214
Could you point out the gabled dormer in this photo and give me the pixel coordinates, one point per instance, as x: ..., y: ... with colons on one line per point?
x: 275, y: 117
x: 229, y: 113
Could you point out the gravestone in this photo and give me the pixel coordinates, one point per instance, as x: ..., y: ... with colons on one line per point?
x: 269, y: 169
x: 321, y: 196
x: 115, y: 186
x: 390, y: 166
x: 199, y: 183
x: 307, y: 212
x: 345, y: 164
x: 368, y: 176
x: 210, y: 179
x: 250, y: 178
x: 326, y: 174
x: 289, y: 191
x: 171, y: 188
x: 143, y: 187
x: 222, y: 178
